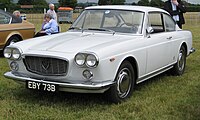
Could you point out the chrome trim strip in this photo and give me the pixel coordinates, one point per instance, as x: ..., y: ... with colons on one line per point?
x: 16, y: 29
x: 89, y: 87
x: 142, y: 79
x: 50, y: 56
x: 45, y: 56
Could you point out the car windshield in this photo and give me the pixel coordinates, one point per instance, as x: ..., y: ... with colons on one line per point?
x: 121, y: 21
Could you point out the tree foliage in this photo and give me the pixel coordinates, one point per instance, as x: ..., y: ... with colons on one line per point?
x: 68, y: 3
x: 143, y: 2
x: 156, y: 3
x: 103, y: 2
x: 111, y: 2
x: 5, y: 1
x: 40, y: 2
x: 32, y: 2
x: 25, y: 2
x: 118, y: 2
x: 5, y: 4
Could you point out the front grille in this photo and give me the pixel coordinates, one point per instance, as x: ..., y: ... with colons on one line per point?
x: 46, y: 66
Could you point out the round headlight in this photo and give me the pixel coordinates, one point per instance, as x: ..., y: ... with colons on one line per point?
x: 80, y: 59
x: 7, y: 52
x: 91, y: 60
x: 16, y: 54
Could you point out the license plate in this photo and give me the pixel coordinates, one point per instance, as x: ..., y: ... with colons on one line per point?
x: 41, y: 86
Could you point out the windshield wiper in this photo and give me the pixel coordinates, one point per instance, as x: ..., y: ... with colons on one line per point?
x: 75, y: 28
x: 102, y: 29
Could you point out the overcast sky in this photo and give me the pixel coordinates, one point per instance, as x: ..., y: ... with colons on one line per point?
x: 131, y: 1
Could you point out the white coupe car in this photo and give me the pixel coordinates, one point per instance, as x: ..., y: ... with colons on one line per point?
x: 107, y: 49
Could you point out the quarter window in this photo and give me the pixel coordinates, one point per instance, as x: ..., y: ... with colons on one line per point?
x: 169, y: 23
x: 155, y: 21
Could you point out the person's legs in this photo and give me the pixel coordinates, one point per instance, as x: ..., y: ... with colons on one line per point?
x: 179, y: 24
x: 40, y: 34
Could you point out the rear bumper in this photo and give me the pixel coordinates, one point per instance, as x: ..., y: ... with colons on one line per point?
x: 84, y: 87
x: 192, y: 50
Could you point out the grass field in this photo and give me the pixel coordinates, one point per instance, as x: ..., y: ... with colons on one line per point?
x: 161, y: 98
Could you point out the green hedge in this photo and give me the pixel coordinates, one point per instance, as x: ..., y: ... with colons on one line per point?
x: 193, y: 9
x: 35, y: 9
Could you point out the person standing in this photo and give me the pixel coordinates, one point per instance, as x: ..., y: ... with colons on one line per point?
x: 176, y: 8
x: 52, y: 12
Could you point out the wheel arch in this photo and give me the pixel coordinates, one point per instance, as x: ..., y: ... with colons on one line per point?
x: 10, y: 36
x: 134, y: 63
x: 18, y: 35
x: 185, y: 46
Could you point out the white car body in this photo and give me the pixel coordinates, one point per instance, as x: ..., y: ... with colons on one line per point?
x: 149, y: 53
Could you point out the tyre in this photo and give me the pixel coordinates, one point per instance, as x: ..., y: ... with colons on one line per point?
x: 179, y: 67
x: 11, y: 40
x: 124, y: 83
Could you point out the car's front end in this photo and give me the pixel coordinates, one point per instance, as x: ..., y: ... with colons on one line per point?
x: 59, y: 71
x: 65, y: 63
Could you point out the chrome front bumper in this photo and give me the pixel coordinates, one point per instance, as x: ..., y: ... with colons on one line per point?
x: 86, y: 87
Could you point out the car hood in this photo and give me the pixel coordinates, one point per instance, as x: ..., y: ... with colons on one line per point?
x: 73, y: 42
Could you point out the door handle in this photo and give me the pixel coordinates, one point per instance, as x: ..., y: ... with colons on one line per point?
x: 169, y: 38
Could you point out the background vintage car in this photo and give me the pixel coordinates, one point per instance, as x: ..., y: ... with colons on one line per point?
x: 107, y: 49
x: 12, y: 29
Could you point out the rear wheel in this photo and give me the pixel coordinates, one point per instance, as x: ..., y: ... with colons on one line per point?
x: 179, y: 67
x: 124, y: 83
x: 12, y: 40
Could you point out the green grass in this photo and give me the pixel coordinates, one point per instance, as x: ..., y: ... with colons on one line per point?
x: 161, y: 98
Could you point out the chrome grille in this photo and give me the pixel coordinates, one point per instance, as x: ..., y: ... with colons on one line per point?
x: 46, y: 65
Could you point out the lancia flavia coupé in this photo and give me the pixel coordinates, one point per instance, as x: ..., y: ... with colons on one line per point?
x: 107, y: 49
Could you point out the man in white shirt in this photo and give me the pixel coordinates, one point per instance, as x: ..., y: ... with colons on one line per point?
x: 176, y: 9
x: 52, y: 12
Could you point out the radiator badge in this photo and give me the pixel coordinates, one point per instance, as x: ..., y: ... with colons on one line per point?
x: 45, y: 64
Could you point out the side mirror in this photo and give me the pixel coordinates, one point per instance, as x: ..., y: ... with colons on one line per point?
x: 150, y: 30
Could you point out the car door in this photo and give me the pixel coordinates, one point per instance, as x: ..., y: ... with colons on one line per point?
x: 170, y: 28
x: 158, y: 44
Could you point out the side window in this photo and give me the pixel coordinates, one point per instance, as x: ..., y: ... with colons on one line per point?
x: 155, y: 21
x: 169, y: 23
x: 4, y: 19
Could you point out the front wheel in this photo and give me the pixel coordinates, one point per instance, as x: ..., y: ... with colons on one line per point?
x: 124, y: 83
x: 179, y: 67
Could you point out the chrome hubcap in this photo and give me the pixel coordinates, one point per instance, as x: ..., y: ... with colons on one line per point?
x: 181, y: 61
x: 124, y: 82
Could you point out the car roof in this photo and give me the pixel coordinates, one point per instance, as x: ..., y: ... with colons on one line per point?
x: 128, y: 7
